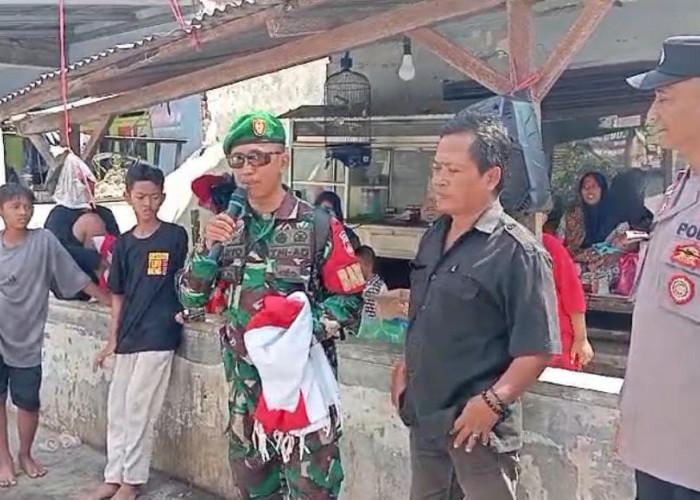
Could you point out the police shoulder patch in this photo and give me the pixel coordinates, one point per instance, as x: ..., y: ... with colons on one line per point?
x: 681, y: 289
x: 686, y: 254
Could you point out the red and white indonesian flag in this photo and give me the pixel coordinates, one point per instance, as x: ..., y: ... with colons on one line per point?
x: 298, y: 385
x: 105, y: 245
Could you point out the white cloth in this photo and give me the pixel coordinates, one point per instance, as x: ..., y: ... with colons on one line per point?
x: 73, y: 189
x: 292, y: 370
x: 136, y: 397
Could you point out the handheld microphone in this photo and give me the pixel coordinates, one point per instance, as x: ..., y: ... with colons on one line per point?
x: 235, y: 208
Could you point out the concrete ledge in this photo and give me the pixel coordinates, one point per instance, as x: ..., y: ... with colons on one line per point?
x: 569, y: 417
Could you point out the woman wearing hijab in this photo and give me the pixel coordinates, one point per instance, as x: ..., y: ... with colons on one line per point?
x: 595, y: 228
x: 586, y: 226
x: 585, y: 222
x: 85, y: 229
x: 331, y: 202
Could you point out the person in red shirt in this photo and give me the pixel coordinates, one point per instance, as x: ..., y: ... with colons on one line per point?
x: 576, y: 350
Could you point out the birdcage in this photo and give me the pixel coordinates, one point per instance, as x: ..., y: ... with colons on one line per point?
x: 347, y: 115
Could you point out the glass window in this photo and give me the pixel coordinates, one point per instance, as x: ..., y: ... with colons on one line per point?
x: 312, y: 174
x: 395, y: 180
x: 369, y: 188
x: 310, y: 165
x: 309, y: 192
x: 409, y: 178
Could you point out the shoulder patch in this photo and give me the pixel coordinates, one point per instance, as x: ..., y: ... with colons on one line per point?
x: 520, y: 234
x: 304, y: 208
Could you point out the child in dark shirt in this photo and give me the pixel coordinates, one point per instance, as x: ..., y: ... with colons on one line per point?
x: 145, y: 331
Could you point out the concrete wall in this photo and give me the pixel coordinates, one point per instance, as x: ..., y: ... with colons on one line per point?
x: 122, y: 213
x: 568, y: 429
x: 276, y: 92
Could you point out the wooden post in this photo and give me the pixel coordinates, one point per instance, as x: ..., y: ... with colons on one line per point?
x: 98, y: 134
x: 42, y: 146
x: 521, y: 40
x: 461, y: 60
x: 569, y: 45
x: 74, y: 138
x: 3, y: 173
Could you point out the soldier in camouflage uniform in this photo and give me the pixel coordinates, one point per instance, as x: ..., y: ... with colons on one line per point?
x: 280, y: 244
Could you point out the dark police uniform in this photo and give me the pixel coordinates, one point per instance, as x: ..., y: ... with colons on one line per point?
x: 660, y: 406
x: 487, y: 300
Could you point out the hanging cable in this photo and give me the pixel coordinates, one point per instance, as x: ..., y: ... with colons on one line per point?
x: 177, y: 12
x: 64, y: 70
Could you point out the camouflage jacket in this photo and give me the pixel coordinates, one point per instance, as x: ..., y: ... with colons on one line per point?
x: 277, y: 254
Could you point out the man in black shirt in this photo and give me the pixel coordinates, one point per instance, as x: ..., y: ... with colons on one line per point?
x: 77, y: 221
x: 144, y: 333
x: 483, y: 325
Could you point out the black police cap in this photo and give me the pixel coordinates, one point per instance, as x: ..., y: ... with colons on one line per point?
x: 680, y: 60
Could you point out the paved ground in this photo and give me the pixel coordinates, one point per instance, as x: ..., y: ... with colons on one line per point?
x: 75, y: 470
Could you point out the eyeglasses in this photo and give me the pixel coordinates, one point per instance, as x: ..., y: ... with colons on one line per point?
x: 254, y: 159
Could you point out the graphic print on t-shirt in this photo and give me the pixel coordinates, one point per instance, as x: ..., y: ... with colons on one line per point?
x: 158, y: 263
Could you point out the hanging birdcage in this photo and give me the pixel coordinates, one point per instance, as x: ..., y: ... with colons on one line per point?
x: 347, y: 115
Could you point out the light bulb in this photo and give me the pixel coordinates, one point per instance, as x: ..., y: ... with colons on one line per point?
x: 407, y: 71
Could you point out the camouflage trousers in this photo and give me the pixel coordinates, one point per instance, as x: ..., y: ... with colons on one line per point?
x: 315, y: 475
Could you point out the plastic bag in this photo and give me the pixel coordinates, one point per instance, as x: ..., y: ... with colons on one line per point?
x: 628, y: 271
x: 76, y: 184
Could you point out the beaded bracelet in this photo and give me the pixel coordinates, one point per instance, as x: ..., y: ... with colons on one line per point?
x: 499, y: 401
x: 494, y: 408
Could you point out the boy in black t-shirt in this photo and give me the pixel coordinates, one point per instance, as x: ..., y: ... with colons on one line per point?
x: 144, y: 333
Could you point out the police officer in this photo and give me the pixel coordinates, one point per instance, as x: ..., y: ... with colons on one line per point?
x: 659, y: 432
x: 483, y: 325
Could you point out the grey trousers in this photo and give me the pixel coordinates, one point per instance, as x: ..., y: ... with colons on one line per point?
x: 454, y: 474
x: 651, y: 488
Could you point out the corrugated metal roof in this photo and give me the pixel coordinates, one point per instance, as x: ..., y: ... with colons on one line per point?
x: 200, y: 21
x: 137, y: 65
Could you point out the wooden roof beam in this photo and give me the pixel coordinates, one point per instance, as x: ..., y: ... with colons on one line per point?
x: 570, y: 43
x: 378, y: 27
x: 282, y: 27
x: 521, y: 41
x: 462, y: 60
x: 80, y: 79
x: 96, y: 137
x: 44, y: 149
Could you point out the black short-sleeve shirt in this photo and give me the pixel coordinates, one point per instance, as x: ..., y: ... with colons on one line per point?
x: 143, y: 271
x: 60, y: 222
x: 489, y: 299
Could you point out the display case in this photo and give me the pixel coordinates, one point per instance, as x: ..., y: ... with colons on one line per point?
x: 383, y: 200
x: 391, y: 189
x: 312, y: 173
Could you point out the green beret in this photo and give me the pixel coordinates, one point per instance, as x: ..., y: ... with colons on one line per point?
x: 258, y: 126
